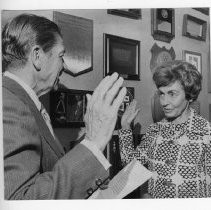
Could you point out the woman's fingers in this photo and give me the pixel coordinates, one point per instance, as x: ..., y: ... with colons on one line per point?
x: 133, y: 116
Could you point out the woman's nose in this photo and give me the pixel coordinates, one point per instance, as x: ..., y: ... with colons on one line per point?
x: 164, y: 100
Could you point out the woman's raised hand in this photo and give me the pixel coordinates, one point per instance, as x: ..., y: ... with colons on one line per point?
x: 129, y: 115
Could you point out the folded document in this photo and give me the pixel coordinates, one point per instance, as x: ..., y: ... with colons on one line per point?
x: 127, y: 180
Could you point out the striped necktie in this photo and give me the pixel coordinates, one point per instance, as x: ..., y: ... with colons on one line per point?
x: 47, y: 119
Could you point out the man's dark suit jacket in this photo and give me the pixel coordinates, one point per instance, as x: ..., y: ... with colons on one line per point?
x: 35, y: 165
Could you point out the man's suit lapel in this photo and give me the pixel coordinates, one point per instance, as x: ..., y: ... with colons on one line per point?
x: 15, y: 88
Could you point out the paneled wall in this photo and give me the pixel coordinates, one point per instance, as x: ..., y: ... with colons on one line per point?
x: 138, y: 30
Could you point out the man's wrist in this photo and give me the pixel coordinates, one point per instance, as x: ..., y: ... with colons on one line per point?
x: 97, y: 152
x: 97, y: 143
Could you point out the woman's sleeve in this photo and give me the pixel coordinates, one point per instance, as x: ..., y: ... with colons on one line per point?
x: 127, y: 150
x: 208, y: 168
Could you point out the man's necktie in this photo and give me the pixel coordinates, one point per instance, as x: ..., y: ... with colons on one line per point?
x: 46, y: 118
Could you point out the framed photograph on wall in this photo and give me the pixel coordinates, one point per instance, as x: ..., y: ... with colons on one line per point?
x: 194, y: 58
x: 163, y: 24
x: 128, y: 13
x: 194, y: 28
x: 77, y: 34
x: 122, y: 55
x: 204, y: 10
x: 68, y: 107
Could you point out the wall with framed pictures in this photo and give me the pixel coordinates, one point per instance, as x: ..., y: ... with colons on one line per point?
x: 121, y: 24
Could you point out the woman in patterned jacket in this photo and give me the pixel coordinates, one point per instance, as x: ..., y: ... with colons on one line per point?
x: 177, y: 149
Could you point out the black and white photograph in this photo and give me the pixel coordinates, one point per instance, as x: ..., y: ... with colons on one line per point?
x: 109, y: 103
x: 68, y: 107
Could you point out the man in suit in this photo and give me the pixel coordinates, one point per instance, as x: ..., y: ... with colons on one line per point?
x: 35, y: 164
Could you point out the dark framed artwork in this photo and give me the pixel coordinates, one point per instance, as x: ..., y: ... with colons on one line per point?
x: 194, y: 28
x: 163, y: 24
x: 68, y: 107
x: 128, y: 13
x: 122, y: 55
x: 194, y: 58
x: 204, y: 10
x: 78, y: 40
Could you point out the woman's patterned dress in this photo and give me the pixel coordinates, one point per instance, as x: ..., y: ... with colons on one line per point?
x: 179, y: 155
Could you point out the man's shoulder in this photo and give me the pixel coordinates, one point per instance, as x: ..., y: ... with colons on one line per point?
x: 12, y: 101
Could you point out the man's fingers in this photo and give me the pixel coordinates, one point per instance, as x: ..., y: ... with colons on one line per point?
x: 119, y: 99
x: 109, y: 83
x: 88, y: 97
x: 99, y: 87
x: 104, y: 86
x: 113, y: 91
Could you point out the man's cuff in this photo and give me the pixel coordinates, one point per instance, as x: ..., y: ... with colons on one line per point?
x: 97, y: 153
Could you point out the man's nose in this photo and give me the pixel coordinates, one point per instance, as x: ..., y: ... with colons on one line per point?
x: 63, y: 68
x: 60, y: 73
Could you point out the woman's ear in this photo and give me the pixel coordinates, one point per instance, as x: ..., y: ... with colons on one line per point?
x: 36, y: 57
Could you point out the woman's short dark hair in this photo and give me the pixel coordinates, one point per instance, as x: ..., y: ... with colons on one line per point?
x: 23, y: 32
x: 184, y: 72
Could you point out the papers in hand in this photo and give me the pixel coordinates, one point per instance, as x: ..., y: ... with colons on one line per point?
x: 127, y: 180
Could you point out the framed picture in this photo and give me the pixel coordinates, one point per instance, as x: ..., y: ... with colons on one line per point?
x: 122, y: 55
x: 194, y: 58
x: 78, y: 40
x: 68, y: 107
x: 163, y: 24
x: 129, y: 13
x: 204, y: 10
x: 194, y: 28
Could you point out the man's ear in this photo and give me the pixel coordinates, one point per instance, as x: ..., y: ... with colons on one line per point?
x: 36, y: 54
